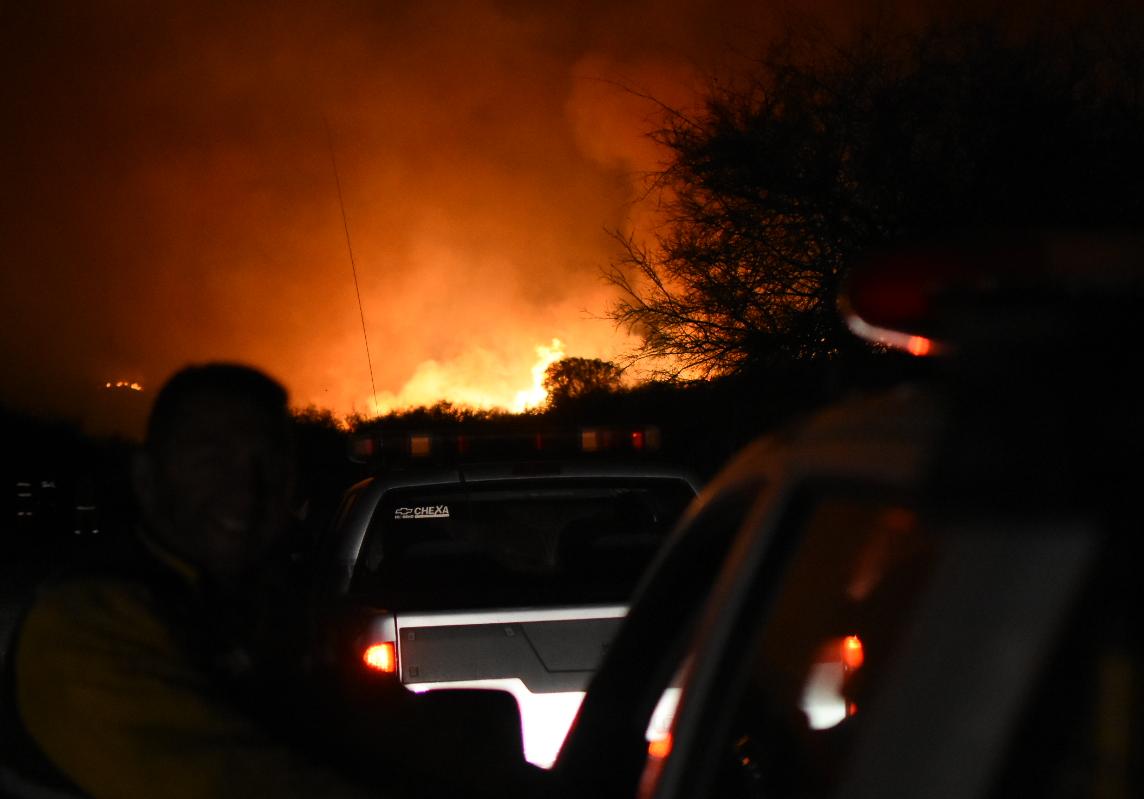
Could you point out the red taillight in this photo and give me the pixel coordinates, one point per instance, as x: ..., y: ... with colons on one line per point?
x: 637, y: 440
x: 381, y: 657
x: 660, y: 747
x: 919, y: 345
x: 852, y: 652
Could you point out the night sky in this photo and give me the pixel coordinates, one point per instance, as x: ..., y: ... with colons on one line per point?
x: 168, y: 195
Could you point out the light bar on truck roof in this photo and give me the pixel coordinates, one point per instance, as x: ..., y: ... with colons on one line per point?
x: 929, y: 299
x: 890, y: 300
x: 396, y: 446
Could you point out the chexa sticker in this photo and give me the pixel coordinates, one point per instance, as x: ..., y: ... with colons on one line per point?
x: 423, y: 512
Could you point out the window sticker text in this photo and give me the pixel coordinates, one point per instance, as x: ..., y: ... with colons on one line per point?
x: 423, y: 512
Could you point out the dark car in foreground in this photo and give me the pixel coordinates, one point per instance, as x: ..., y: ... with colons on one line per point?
x: 962, y: 552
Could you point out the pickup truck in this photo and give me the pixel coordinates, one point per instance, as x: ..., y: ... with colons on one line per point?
x: 512, y: 576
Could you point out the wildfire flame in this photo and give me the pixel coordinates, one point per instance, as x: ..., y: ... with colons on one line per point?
x: 536, y: 395
x: 124, y: 384
x: 477, y: 379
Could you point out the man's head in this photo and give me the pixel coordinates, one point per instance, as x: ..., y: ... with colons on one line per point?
x: 216, y: 474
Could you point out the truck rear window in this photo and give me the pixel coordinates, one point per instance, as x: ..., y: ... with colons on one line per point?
x: 516, y: 543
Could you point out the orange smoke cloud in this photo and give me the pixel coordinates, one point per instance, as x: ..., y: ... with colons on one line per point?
x: 169, y: 196
x: 614, y: 106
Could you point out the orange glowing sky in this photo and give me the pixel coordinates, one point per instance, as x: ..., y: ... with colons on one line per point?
x: 168, y: 195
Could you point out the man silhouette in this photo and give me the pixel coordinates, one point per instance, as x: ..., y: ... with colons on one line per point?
x: 154, y: 673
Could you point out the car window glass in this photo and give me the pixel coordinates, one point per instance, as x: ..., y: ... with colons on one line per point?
x: 630, y: 704
x: 516, y: 543
x: 819, y: 649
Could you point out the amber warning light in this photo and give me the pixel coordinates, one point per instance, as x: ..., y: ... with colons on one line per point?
x: 381, y: 657
x: 926, y: 299
x: 888, y: 302
x: 853, y: 654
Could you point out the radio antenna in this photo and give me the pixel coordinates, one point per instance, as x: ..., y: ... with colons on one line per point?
x: 353, y: 265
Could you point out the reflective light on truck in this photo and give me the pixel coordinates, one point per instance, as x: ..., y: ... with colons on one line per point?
x: 403, y: 446
x: 852, y: 653
x: 823, y: 699
x: 659, y: 737
x: 920, y: 346
x: 544, y: 718
x: 420, y: 445
x: 658, y: 733
x: 659, y: 726
x: 381, y: 657
x: 591, y: 440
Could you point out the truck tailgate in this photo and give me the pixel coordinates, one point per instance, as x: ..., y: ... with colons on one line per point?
x: 549, y: 650
x: 543, y: 657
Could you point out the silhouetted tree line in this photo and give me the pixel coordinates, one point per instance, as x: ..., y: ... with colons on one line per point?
x: 702, y: 422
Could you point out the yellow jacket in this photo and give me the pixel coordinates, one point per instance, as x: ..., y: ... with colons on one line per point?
x: 106, y: 687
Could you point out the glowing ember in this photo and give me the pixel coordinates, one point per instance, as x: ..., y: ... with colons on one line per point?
x: 124, y: 384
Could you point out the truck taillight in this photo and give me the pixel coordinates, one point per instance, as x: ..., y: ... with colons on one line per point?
x: 853, y: 654
x: 659, y: 747
x: 381, y: 657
